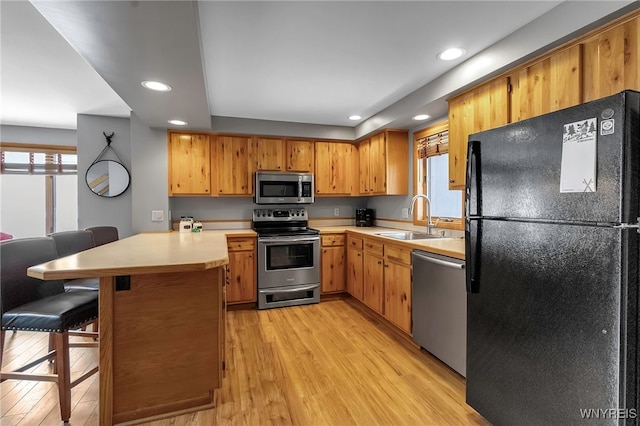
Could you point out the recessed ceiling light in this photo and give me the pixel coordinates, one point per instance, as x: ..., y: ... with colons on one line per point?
x: 453, y: 53
x: 355, y: 117
x: 421, y: 117
x: 156, y: 85
x: 178, y: 122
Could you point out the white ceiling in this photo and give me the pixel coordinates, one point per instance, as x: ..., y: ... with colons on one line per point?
x: 309, y: 62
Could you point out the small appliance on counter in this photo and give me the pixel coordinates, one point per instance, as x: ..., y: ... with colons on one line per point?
x: 186, y: 224
x: 365, y: 217
x: 197, y: 226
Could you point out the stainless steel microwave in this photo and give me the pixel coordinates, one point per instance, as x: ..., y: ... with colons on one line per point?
x: 283, y: 188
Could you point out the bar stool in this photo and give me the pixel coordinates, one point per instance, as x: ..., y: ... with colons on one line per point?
x: 72, y: 242
x: 103, y: 234
x: 29, y: 304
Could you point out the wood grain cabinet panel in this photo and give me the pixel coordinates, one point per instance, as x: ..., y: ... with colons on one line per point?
x: 300, y: 156
x: 333, y: 168
x: 611, y: 61
x: 483, y: 108
x: 397, y: 292
x: 383, y: 163
x: 241, y: 271
x: 270, y: 154
x: 234, y: 166
x: 355, y: 272
x: 547, y: 85
x: 189, y: 164
x: 333, y: 264
x: 373, y: 294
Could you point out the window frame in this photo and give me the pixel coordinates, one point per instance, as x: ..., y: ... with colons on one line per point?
x: 49, y: 174
x: 419, y: 187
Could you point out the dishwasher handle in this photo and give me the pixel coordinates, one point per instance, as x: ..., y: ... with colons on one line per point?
x: 440, y: 262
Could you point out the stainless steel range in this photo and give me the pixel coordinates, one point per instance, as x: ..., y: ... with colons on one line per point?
x: 288, y: 258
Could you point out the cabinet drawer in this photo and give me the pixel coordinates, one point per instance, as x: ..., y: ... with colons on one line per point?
x: 397, y: 254
x: 240, y: 244
x: 354, y: 242
x: 332, y: 240
x: 373, y: 247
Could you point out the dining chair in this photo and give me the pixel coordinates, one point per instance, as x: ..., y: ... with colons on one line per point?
x: 30, y: 304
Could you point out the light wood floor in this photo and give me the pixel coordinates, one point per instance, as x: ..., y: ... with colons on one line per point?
x: 325, y: 364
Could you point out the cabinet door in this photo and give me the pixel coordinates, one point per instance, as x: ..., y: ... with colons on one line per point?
x: 378, y: 164
x: 397, y: 289
x: 548, y: 85
x: 333, y: 168
x: 355, y: 273
x: 363, y: 177
x: 373, y: 295
x: 233, y: 163
x: 611, y: 61
x: 242, y: 277
x: 333, y: 269
x: 300, y: 156
x: 269, y: 154
x: 483, y: 108
x: 189, y: 164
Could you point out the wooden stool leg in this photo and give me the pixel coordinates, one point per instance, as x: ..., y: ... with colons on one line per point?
x: 64, y: 375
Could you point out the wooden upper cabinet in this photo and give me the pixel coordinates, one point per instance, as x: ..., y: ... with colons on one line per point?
x: 383, y: 163
x: 611, y: 61
x: 378, y: 164
x: 189, y: 164
x: 270, y: 154
x: 299, y: 156
x: 363, y: 176
x: 483, y: 108
x: 333, y: 171
x: 233, y: 165
x: 548, y: 85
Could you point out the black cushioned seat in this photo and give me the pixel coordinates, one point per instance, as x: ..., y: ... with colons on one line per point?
x: 30, y: 304
x: 57, y: 313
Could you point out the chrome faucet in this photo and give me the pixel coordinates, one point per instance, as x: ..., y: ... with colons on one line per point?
x: 413, y: 202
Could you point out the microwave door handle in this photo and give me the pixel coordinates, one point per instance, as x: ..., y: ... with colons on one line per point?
x: 299, y: 188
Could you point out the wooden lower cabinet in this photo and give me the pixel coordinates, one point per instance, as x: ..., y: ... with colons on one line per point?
x: 333, y: 265
x: 355, y: 271
x: 374, y: 282
x: 241, y: 271
x: 397, y: 295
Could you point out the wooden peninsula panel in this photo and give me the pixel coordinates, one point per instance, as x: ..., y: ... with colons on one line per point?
x: 161, y: 321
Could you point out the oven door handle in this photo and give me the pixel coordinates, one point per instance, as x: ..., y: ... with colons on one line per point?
x: 287, y: 240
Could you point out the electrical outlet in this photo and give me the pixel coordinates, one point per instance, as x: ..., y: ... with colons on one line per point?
x: 336, y: 211
x: 405, y: 213
x: 157, y: 215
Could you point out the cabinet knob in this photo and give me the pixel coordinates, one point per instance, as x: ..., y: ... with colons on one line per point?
x: 451, y: 180
x: 379, y: 262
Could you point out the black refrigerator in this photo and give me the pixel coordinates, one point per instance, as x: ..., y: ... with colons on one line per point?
x: 552, y: 267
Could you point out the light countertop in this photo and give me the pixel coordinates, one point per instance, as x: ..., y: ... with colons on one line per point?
x: 453, y: 247
x: 141, y: 254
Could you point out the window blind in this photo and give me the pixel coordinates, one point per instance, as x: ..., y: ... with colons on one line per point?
x: 432, y: 145
x: 37, y: 162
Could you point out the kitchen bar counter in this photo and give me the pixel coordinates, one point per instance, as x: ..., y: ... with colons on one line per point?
x: 161, y: 321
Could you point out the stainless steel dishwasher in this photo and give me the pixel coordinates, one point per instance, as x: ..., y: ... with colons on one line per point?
x: 439, y: 307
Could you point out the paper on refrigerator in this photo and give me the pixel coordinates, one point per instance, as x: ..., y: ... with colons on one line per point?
x: 579, y: 156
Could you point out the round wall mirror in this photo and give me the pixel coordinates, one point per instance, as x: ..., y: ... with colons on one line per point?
x: 107, y: 178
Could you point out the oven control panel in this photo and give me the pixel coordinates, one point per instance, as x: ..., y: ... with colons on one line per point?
x: 279, y: 215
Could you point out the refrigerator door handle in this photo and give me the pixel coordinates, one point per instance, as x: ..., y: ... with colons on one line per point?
x: 472, y: 206
x: 635, y: 226
x: 473, y: 233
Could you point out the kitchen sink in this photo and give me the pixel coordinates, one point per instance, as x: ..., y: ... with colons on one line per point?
x: 409, y: 235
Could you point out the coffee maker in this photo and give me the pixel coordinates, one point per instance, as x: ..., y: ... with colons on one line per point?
x: 365, y: 217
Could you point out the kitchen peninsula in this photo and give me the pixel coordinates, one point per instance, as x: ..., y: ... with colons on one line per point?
x: 161, y: 320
